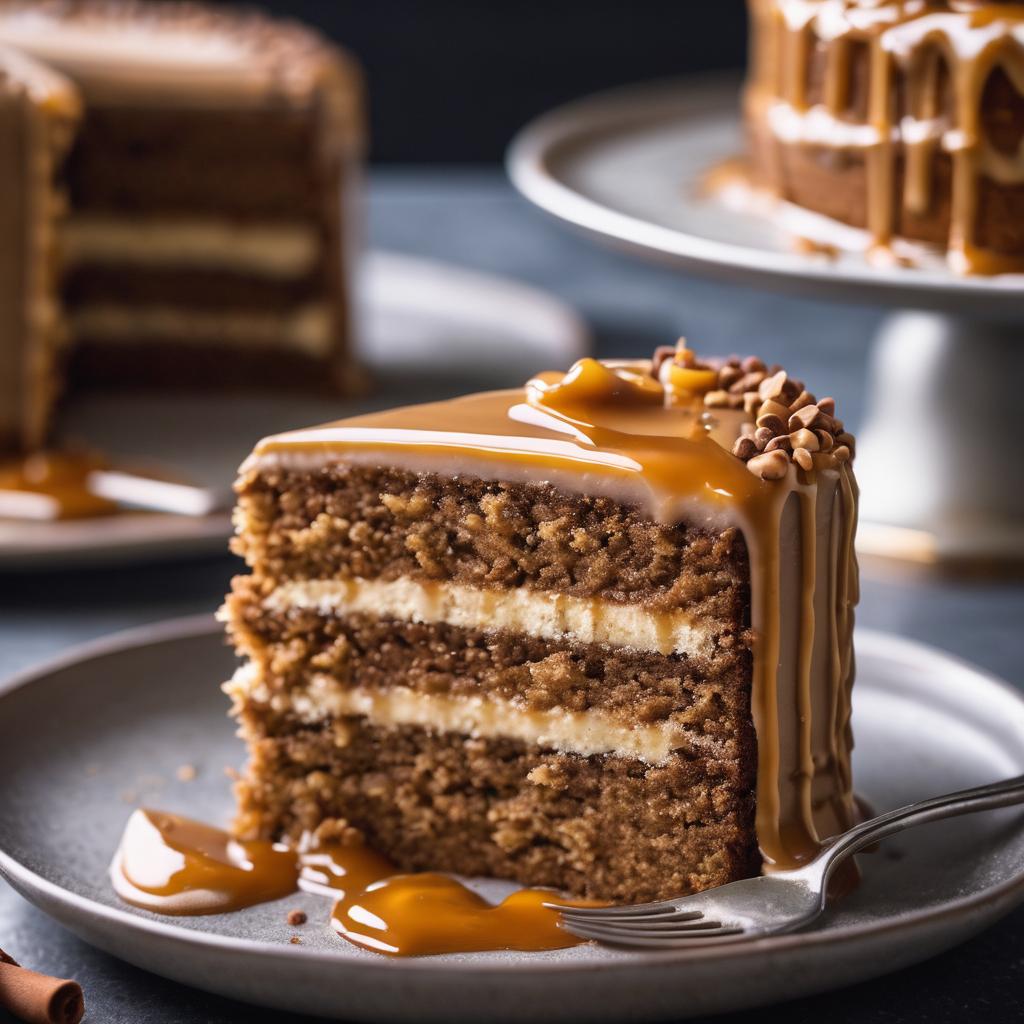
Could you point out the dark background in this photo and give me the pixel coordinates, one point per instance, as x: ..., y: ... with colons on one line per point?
x: 452, y: 80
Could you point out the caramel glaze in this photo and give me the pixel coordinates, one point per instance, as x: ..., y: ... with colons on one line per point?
x: 918, y: 40
x: 174, y: 865
x: 417, y: 915
x: 60, y: 482
x: 611, y: 429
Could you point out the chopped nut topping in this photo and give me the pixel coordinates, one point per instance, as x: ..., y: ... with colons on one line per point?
x: 788, y: 424
x: 769, y: 465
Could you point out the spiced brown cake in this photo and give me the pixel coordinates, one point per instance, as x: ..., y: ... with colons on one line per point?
x: 902, y: 118
x: 594, y: 634
x: 200, y: 218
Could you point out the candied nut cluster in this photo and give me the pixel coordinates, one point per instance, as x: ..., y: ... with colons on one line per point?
x: 788, y: 424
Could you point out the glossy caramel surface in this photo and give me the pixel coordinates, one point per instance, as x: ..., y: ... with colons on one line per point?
x: 601, y: 420
x: 422, y: 914
x: 174, y: 865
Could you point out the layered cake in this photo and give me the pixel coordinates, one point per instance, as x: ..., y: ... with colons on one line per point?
x: 904, y: 118
x: 594, y: 634
x: 38, y: 112
x: 207, y: 183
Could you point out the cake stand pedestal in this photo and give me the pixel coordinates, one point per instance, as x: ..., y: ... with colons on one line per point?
x: 938, y: 458
x: 939, y: 455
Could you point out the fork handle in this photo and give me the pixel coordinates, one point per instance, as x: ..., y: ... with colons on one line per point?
x: 965, y: 801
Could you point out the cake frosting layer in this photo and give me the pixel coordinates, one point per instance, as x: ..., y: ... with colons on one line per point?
x: 547, y: 615
x: 309, y: 329
x: 274, y: 250
x: 708, y: 695
x: 589, y: 732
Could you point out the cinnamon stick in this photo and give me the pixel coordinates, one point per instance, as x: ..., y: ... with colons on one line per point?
x: 38, y: 998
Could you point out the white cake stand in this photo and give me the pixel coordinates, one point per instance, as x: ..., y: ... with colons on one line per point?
x: 940, y: 458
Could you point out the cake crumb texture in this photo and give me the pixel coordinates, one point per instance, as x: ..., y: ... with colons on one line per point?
x: 601, y: 827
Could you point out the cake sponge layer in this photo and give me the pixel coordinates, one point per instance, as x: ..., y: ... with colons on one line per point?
x: 344, y: 521
x: 606, y: 827
x: 709, y: 696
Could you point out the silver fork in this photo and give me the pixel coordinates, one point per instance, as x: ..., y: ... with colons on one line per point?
x: 770, y: 904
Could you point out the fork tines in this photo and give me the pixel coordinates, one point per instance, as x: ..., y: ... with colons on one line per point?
x: 679, y: 935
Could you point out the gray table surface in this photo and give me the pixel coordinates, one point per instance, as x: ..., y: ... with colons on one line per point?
x: 472, y: 217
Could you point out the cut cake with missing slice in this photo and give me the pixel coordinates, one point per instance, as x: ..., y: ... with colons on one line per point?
x: 209, y: 201
x: 594, y: 634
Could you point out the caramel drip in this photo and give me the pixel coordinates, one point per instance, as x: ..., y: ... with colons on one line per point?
x: 342, y: 872
x: 922, y: 133
x: 605, y: 429
x: 174, y: 865
x: 908, y: 43
x: 846, y: 600
x: 805, y: 703
x: 57, y: 482
x: 764, y: 545
x: 422, y: 914
x: 837, y: 76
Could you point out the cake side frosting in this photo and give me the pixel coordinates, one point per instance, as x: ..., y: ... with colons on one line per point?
x: 904, y: 118
x: 728, y: 446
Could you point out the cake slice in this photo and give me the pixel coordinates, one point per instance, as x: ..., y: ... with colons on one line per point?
x: 38, y: 111
x: 594, y: 634
x: 210, y: 184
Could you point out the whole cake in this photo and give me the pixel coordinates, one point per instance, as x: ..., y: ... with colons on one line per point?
x: 594, y: 634
x: 901, y: 117
x: 200, y: 216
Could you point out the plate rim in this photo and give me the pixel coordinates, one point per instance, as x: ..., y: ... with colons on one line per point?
x: 999, y: 899
x: 530, y: 160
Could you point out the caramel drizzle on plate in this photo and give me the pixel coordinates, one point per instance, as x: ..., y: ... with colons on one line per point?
x: 173, y: 865
x: 56, y: 483
x: 929, y: 46
x: 614, y: 429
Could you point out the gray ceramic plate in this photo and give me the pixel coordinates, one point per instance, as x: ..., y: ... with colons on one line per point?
x: 89, y: 736
x: 626, y: 166
x: 426, y: 328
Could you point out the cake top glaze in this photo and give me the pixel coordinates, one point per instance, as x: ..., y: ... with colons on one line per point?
x: 51, y: 91
x: 130, y: 52
x: 669, y: 432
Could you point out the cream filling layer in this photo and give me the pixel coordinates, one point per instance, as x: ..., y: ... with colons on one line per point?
x: 542, y: 614
x: 280, y: 251
x: 308, y: 329
x: 577, y: 732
